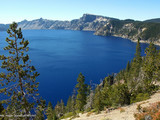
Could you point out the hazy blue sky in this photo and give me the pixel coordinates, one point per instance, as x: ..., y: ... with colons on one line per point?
x: 17, y: 10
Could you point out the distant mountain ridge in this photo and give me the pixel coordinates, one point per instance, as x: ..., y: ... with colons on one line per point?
x: 86, y: 22
x: 147, y: 31
x: 4, y: 27
x: 156, y: 20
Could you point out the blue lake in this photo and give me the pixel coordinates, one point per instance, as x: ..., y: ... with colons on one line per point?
x: 60, y: 55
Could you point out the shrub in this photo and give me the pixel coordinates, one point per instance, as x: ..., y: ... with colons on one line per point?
x: 149, y: 113
x: 67, y: 115
x: 140, y: 97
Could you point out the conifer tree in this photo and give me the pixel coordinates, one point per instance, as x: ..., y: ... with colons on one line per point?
x: 136, y: 64
x: 149, y: 66
x: 69, y: 104
x: 138, y: 52
x: 98, y: 99
x: 121, y: 94
x: 57, y: 110
x: 49, y: 111
x: 54, y: 116
x: 73, y: 102
x: 105, y: 98
x: 128, y: 67
x: 18, y: 81
x: 62, y: 107
x: 81, y: 89
x: 90, y: 99
x: 39, y: 114
x: 131, y: 78
x: 1, y: 108
x: 157, y: 67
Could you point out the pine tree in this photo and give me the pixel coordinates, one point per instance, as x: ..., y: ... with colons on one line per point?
x: 1, y: 108
x: 157, y: 67
x: 49, y: 111
x: 149, y: 66
x: 57, y: 110
x: 62, y: 107
x: 18, y: 81
x: 98, y: 99
x: 90, y: 99
x: 138, y: 57
x: 73, y: 102
x: 121, y: 94
x: 136, y: 64
x: 128, y: 67
x: 81, y: 96
x: 54, y: 116
x: 40, y: 110
x: 105, y: 98
x: 127, y: 72
x: 69, y: 104
x: 131, y: 78
x: 39, y: 114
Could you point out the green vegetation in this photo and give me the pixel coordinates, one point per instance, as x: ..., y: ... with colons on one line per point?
x: 18, y: 81
x: 151, y: 112
x: 49, y: 111
x: 98, y: 99
x: 134, y: 83
x: 132, y: 29
x: 81, y: 96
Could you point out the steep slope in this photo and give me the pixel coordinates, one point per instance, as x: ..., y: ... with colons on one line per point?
x: 124, y: 113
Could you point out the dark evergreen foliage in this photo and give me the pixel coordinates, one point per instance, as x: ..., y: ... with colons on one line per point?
x: 82, y: 93
x: 18, y: 81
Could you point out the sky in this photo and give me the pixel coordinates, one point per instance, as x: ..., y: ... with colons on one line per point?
x: 18, y: 10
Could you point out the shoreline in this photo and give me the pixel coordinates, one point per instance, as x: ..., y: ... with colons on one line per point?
x: 148, y: 42
x: 141, y: 41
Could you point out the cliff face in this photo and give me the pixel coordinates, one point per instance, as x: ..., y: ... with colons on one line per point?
x: 86, y: 22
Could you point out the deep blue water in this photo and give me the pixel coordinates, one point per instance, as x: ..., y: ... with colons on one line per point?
x: 60, y: 55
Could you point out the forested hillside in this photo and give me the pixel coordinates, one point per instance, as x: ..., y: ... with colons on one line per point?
x: 134, y: 30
